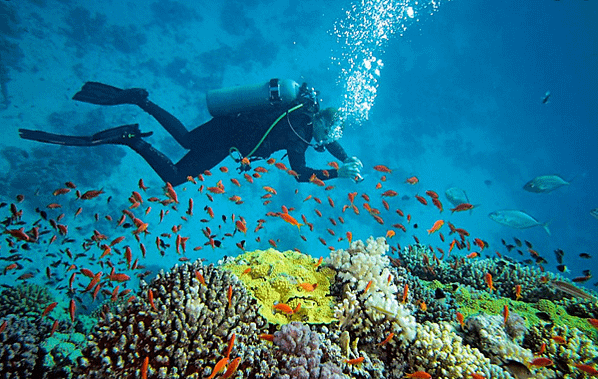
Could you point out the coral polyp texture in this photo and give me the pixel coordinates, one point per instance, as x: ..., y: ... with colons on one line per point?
x: 288, y: 278
x: 183, y: 328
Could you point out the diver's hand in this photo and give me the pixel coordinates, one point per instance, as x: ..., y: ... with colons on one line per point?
x: 354, y: 160
x: 351, y: 169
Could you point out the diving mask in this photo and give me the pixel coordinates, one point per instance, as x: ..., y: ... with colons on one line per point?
x: 328, y: 127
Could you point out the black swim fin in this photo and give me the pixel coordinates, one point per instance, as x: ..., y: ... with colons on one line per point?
x: 121, y: 135
x: 104, y: 94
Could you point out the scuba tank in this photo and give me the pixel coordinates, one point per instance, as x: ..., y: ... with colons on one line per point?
x: 231, y: 101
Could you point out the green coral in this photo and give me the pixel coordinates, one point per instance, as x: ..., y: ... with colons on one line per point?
x: 276, y: 277
x: 472, y: 301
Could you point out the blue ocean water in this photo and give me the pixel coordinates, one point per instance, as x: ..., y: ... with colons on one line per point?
x: 448, y: 91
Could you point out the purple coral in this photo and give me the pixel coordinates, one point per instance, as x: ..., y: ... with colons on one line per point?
x: 301, y: 354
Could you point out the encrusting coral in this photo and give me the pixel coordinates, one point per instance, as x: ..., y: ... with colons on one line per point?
x: 290, y: 278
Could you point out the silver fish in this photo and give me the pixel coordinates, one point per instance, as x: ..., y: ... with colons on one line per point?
x: 594, y: 212
x: 545, y: 183
x: 456, y: 196
x: 571, y: 289
x: 517, y: 219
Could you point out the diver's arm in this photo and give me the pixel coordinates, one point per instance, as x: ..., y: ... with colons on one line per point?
x: 337, y: 151
x: 297, y: 161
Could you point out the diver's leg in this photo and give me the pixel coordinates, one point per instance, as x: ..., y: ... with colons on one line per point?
x: 198, y: 160
x: 159, y: 162
x: 168, y: 121
x: 103, y: 94
x: 119, y: 135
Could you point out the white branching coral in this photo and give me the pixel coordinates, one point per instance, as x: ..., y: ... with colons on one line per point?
x: 440, y: 352
x: 367, y: 266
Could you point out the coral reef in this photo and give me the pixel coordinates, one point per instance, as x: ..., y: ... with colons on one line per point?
x: 440, y: 352
x: 300, y: 354
x: 277, y: 277
x: 488, y: 334
x: 576, y: 348
x: 25, y: 300
x: 23, y: 353
x: 363, y: 272
x: 183, y: 328
x: 418, y: 260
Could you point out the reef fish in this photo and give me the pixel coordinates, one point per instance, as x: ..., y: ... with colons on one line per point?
x: 594, y: 212
x: 517, y: 369
x: 545, y: 183
x: 571, y: 290
x: 517, y: 219
x: 456, y: 196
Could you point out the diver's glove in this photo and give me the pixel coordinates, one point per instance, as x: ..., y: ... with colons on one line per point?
x: 351, y: 169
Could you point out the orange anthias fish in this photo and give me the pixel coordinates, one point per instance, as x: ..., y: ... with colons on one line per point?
x: 587, y: 368
x: 419, y: 375
x: 144, y: 368
x: 541, y: 362
x: 462, y: 207
x: 405, y: 293
x: 291, y: 220
x: 518, y: 292
x: 421, y: 200
x: 412, y: 180
x: 72, y: 309
x: 382, y: 168
x: 91, y: 194
x: 218, y: 367
x: 317, y: 181
x: 387, y: 339
x: 354, y: 361
x: 232, y: 368
x: 461, y: 320
x: 437, y: 225
x: 270, y: 190
x: 284, y: 308
x: 488, y: 280
x: 241, y: 226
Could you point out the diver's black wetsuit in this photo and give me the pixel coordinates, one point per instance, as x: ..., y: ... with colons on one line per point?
x: 210, y: 143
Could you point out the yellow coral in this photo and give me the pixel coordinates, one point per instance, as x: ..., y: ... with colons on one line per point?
x: 275, y: 277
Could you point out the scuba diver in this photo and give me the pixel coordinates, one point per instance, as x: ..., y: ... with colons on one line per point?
x: 250, y: 122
